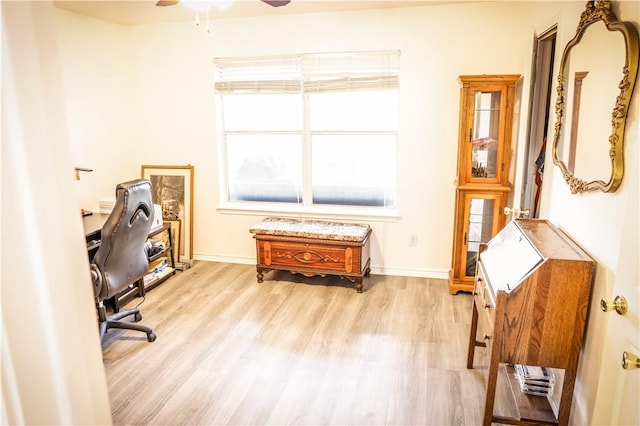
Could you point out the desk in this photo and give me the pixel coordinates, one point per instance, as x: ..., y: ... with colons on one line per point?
x: 93, y: 223
x: 93, y: 232
x: 531, y: 297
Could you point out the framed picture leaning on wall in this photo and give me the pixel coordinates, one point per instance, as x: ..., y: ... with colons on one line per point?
x: 172, y: 189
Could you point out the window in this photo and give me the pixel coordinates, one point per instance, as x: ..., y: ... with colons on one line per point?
x: 316, y: 129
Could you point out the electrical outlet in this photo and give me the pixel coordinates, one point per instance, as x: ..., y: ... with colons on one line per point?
x: 413, y: 240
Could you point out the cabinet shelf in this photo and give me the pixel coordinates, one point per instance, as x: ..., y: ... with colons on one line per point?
x: 525, y: 408
x: 484, y: 147
x: 159, y: 254
x: 158, y: 278
x: 147, y: 283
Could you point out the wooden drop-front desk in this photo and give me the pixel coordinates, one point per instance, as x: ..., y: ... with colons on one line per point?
x: 313, y: 247
x: 532, y: 291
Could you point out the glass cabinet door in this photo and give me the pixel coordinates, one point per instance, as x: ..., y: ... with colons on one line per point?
x: 482, y: 222
x: 484, y: 154
x: 484, y: 160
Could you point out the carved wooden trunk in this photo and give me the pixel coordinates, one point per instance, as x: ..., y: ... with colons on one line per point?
x: 312, y: 247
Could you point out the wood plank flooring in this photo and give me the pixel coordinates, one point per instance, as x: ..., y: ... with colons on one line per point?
x: 295, y: 351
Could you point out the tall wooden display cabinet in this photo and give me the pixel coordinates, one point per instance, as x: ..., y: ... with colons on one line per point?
x: 484, y: 151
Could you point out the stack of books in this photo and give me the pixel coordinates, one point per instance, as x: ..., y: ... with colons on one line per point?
x: 537, y: 381
x: 157, y: 269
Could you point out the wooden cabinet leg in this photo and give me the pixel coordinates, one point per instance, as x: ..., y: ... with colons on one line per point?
x: 260, y: 274
x: 491, y: 390
x: 472, y: 336
x: 566, y: 398
x: 494, y: 342
x: 358, y: 283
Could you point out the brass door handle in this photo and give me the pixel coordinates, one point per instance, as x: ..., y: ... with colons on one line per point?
x: 630, y: 361
x: 619, y: 304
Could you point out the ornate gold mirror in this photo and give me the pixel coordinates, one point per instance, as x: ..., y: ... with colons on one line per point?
x: 598, y: 70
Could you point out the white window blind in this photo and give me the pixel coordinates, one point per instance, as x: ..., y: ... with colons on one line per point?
x: 350, y: 71
x: 309, y: 73
x: 258, y: 75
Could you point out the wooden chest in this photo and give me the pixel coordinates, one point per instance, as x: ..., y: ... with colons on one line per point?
x: 313, y: 247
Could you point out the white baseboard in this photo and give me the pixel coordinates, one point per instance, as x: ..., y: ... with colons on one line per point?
x: 375, y: 270
x: 242, y: 260
x: 405, y: 272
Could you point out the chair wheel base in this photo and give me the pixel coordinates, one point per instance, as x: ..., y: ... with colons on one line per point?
x: 151, y: 337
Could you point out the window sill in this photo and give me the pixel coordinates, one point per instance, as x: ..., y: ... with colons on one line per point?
x: 310, y: 212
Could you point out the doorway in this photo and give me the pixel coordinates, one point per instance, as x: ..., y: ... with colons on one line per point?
x: 544, y: 52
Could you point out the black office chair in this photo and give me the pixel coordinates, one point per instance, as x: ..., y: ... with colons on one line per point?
x: 121, y: 259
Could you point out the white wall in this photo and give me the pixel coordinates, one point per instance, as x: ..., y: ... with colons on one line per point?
x: 595, y: 220
x: 170, y: 99
x: 52, y: 371
x: 96, y: 62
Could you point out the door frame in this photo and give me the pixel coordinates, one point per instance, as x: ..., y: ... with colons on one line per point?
x: 534, y: 122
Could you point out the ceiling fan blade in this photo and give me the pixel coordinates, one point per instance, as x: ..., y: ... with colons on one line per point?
x: 276, y: 3
x: 167, y: 2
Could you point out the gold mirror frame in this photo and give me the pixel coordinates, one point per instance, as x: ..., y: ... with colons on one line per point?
x: 595, y: 11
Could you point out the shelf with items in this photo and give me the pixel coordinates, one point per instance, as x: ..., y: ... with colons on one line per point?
x: 478, y: 217
x: 484, y: 149
x: 161, y: 262
x: 513, y: 406
x: 159, y: 270
x: 158, y: 254
x: 486, y: 117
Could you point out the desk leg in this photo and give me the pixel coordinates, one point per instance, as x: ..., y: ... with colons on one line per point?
x: 141, y: 290
x: 472, y: 335
x: 114, y: 304
x: 495, y: 343
x: 171, y: 243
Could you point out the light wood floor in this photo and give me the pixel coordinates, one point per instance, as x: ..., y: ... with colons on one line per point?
x: 295, y: 350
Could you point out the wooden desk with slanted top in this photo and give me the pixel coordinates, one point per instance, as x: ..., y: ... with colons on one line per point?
x: 313, y: 247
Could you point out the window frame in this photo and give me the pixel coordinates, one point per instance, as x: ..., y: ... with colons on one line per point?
x: 305, y: 207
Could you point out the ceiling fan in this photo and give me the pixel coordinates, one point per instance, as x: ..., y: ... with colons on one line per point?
x: 274, y: 3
